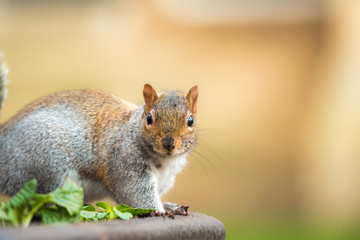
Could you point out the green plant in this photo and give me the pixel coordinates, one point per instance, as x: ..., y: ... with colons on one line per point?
x: 63, y: 205
x: 108, y: 212
x: 59, y: 206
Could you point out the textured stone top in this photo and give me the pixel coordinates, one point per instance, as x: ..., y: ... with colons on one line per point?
x: 194, y: 226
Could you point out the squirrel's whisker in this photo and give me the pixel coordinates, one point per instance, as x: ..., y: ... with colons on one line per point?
x: 204, y: 145
x: 203, y: 167
x: 207, y: 160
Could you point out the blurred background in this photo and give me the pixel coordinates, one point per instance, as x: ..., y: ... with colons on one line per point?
x: 278, y: 112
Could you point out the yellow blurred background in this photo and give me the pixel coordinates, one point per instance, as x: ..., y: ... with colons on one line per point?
x: 278, y: 111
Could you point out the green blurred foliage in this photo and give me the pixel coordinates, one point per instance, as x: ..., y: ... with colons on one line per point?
x: 289, y: 228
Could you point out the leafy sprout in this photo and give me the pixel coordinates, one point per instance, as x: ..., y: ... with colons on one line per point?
x: 63, y: 205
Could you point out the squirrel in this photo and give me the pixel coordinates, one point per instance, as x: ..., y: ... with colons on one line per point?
x: 107, y: 145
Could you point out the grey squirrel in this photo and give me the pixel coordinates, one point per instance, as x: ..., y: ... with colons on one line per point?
x: 102, y: 142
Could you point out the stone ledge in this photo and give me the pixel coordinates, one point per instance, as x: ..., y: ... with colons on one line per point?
x: 194, y: 226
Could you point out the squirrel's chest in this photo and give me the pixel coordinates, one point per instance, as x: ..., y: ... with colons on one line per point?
x: 164, y: 175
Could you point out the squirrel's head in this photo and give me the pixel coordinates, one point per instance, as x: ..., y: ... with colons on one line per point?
x: 168, y: 122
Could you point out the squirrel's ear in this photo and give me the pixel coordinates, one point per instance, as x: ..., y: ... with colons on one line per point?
x: 150, y: 95
x: 192, y: 97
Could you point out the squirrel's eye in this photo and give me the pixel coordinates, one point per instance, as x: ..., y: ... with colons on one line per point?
x: 149, y: 119
x: 190, y: 122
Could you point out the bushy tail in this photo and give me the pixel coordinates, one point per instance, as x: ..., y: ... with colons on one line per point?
x: 3, y: 80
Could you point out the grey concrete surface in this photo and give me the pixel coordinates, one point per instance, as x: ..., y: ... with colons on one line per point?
x: 194, y: 226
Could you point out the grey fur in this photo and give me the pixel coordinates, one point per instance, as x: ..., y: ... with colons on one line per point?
x: 131, y: 164
x: 46, y: 145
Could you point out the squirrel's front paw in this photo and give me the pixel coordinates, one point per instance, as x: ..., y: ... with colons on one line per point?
x: 176, y: 209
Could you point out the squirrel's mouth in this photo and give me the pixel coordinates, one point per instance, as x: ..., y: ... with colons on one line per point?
x: 167, y: 153
x: 168, y: 147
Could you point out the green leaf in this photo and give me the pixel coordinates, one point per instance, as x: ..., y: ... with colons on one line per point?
x: 3, y: 215
x: 123, y: 215
x: 102, y: 215
x: 105, y: 207
x: 70, y: 196
x: 24, y: 195
x: 88, y: 214
x: 112, y: 214
x: 89, y: 208
x: 55, y: 215
x: 13, y: 217
x: 34, y: 205
x: 133, y: 211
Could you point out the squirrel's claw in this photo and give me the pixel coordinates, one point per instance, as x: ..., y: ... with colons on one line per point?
x: 175, y: 209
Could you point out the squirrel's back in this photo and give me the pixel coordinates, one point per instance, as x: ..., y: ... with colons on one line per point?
x: 99, y: 108
x: 65, y: 129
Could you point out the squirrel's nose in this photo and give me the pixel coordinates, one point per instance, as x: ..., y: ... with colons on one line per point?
x: 168, y: 143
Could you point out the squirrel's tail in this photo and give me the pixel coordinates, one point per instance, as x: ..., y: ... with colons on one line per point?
x: 3, y: 80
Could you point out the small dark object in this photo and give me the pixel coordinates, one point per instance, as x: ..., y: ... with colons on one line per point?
x: 168, y: 143
x: 172, y: 215
x: 190, y: 121
x: 182, y: 210
x: 186, y: 209
x: 149, y: 119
